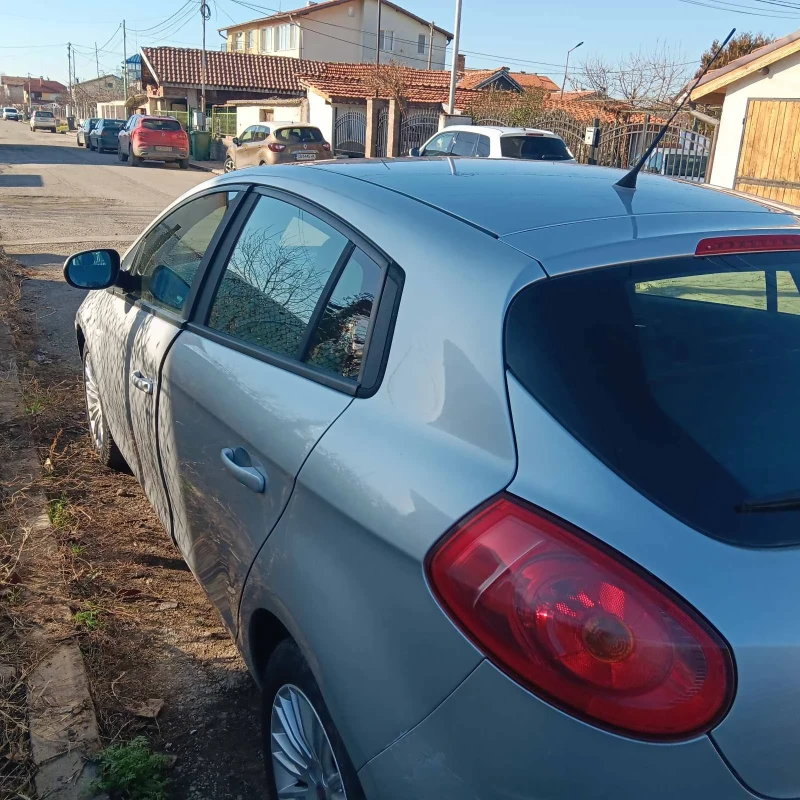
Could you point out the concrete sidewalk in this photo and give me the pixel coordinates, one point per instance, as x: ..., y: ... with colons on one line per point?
x: 217, y: 167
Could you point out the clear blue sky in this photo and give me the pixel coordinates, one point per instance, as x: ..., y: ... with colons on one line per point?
x: 511, y: 32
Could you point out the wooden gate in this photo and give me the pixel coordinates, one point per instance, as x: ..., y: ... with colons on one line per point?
x: 769, y: 158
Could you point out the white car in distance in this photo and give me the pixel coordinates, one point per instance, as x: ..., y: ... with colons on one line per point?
x: 490, y: 141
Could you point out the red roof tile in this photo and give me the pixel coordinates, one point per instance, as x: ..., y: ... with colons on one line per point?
x: 243, y: 71
x: 36, y: 84
x: 530, y: 80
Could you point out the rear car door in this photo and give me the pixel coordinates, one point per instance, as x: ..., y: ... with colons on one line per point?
x: 168, y: 266
x: 258, y: 377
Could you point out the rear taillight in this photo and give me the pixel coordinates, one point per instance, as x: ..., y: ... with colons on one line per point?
x: 760, y: 243
x: 276, y: 148
x: 578, y: 626
x: 326, y: 146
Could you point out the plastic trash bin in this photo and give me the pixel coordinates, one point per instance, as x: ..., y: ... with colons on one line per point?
x: 200, y: 145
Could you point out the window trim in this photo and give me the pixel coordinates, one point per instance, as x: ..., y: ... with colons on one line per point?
x: 386, y: 35
x: 422, y: 43
x: 382, y: 316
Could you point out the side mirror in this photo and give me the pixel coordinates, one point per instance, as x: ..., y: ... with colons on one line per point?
x: 236, y: 141
x: 168, y: 287
x: 414, y: 151
x: 92, y: 269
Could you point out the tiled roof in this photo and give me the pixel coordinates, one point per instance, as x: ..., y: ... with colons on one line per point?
x: 244, y: 71
x: 471, y: 78
x: 530, y: 80
x: 321, y: 6
x: 357, y: 82
x: 12, y: 80
x: 36, y: 84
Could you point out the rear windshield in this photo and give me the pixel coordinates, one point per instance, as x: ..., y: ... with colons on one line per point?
x: 14, y: 110
x: 298, y: 135
x: 683, y: 376
x: 112, y: 125
x: 48, y: 114
x: 541, y: 148
x: 161, y: 124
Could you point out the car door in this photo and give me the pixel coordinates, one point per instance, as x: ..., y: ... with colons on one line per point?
x: 125, y: 133
x: 440, y: 144
x: 168, y: 266
x: 464, y: 144
x: 256, y: 380
x: 246, y: 149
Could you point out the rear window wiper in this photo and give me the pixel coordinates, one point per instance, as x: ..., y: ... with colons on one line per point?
x: 789, y: 502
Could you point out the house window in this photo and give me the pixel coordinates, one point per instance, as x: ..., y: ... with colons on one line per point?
x: 239, y: 41
x: 266, y: 114
x: 266, y: 40
x: 287, y: 37
x: 387, y: 41
x: 421, y: 42
x: 251, y: 41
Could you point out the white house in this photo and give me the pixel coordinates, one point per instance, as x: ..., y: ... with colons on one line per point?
x: 344, y: 31
x: 758, y: 139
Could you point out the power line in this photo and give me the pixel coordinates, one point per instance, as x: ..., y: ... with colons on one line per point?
x: 737, y: 10
x: 165, y: 23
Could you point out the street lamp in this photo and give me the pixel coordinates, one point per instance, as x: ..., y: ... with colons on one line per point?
x: 566, y: 67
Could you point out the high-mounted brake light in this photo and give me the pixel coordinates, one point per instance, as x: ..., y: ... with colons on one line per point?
x: 761, y: 243
x: 578, y: 626
x: 534, y: 134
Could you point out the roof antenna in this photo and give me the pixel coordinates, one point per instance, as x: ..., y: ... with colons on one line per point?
x: 628, y: 181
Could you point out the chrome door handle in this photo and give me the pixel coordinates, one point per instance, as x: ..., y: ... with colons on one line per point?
x: 140, y: 382
x: 238, y: 463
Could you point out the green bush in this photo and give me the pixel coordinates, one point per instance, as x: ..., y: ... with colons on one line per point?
x: 132, y: 771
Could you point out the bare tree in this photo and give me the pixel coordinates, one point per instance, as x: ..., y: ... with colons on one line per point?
x: 512, y: 108
x: 389, y: 81
x: 641, y: 78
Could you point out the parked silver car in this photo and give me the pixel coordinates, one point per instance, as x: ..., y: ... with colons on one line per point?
x: 489, y: 466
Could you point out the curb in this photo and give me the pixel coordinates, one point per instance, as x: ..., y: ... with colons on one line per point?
x: 205, y: 166
x: 63, y: 728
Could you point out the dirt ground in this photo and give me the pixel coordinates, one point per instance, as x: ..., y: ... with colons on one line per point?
x: 146, y: 629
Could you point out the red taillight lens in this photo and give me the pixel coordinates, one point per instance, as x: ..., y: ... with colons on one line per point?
x: 276, y: 148
x: 580, y: 628
x: 747, y: 244
x: 326, y: 146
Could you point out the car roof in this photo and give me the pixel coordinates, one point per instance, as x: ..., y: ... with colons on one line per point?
x: 505, y: 196
x: 502, y: 130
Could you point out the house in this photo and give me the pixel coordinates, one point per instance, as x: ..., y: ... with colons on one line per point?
x: 172, y: 77
x: 758, y: 138
x: 501, y: 78
x: 41, y: 91
x: 344, y: 31
x: 12, y: 89
x: 87, y: 94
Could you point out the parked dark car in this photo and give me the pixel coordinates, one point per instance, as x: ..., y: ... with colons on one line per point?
x: 82, y: 136
x: 105, y: 136
x: 146, y: 138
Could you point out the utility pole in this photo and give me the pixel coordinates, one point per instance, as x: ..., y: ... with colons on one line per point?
x: 378, y: 38
x: 124, y: 64
x: 430, y: 46
x: 96, y: 59
x: 69, y: 67
x: 451, y: 103
x: 205, y: 13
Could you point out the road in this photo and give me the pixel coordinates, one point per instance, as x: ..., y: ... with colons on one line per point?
x: 55, y: 199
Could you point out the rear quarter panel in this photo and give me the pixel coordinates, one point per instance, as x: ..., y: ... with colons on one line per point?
x: 344, y: 568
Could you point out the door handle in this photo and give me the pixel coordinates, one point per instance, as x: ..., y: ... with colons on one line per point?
x: 238, y: 463
x: 140, y: 382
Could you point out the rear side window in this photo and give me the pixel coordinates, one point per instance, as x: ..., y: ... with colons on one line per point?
x: 484, y: 147
x: 683, y: 376
x: 531, y: 146
x: 161, y: 124
x: 298, y: 135
x: 275, y: 276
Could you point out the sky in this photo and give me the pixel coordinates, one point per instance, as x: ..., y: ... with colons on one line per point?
x: 530, y: 35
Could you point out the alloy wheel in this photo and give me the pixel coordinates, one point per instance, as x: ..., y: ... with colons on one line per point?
x: 94, y: 408
x: 229, y: 165
x: 303, y: 761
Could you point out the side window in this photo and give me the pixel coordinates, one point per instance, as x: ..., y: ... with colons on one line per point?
x: 484, y: 147
x: 464, y: 144
x: 170, y: 254
x: 276, y: 274
x: 247, y: 136
x: 337, y: 344
x: 440, y: 146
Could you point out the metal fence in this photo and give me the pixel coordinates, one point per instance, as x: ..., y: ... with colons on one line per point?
x: 350, y: 134
x: 223, y: 121
x: 416, y: 127
x: 382, y: 133
x: 184, y: 117
x: 683, y: 152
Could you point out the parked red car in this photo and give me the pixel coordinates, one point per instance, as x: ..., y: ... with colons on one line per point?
x: 153, y: 139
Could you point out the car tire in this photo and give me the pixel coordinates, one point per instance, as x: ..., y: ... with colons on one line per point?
x: 78, y: 142
x: 230, y: 165
x: 183, y: 163
x: 288, y: 687
x: 99, y: 433
x: 136, y: 161
x: 120, y: 155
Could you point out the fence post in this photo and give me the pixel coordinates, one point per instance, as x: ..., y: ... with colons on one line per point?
x: 593, y: 148
x: 393, y: 130
x: 373, y: 108
x: 645, y: 143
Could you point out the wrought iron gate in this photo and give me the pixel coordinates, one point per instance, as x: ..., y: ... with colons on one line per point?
x: 417, y: 127
x: 350, y: 134
x: 382, y: 133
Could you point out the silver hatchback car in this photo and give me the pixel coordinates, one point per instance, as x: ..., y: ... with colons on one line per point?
x: 490, y: 468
